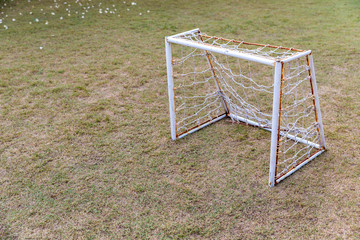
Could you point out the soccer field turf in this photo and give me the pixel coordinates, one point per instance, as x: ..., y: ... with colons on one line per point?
x: 85, y: 147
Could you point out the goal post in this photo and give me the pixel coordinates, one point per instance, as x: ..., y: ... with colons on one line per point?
x: 270, y: 87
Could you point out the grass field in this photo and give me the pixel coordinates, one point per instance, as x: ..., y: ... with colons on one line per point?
x: 85, y: 149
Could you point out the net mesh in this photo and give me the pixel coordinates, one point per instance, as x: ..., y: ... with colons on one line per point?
x: 196, y: 97
x: 208, y: 85
x: 298, y: 122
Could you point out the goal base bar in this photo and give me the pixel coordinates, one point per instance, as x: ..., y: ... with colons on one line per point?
x: 292, y: 137
x: 255, y: 124
x: 181, y: 135
x: 299, y: 166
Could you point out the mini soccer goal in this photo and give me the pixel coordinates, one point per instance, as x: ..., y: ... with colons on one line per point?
x: 266, y: 86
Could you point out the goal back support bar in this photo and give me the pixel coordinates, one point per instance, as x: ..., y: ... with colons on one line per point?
x: 278, y: 80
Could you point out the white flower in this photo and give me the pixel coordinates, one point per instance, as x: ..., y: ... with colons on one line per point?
x: 13, y: 19
x: 133, y: 3
x: 6, y: 27
x: 41, y: 48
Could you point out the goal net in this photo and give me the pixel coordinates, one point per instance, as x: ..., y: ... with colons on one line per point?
x: 270, y: 87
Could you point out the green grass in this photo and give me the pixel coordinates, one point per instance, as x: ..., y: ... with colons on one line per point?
x: 85, y: 149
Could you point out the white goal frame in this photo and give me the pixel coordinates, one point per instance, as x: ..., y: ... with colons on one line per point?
x: 277, y: 64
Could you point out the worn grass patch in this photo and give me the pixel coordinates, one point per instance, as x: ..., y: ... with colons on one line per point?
x: 85, y: 149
